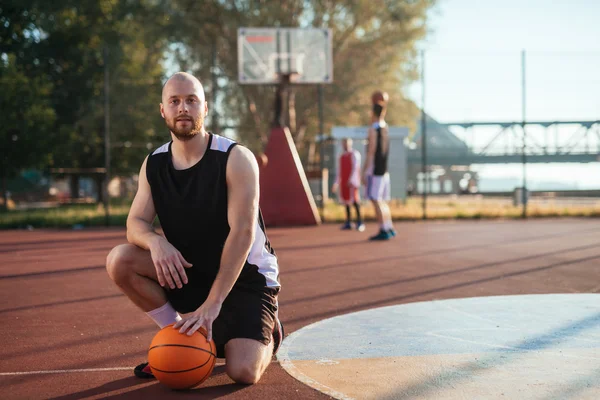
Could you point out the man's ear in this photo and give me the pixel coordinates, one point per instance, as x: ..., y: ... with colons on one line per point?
x: 162, y: 111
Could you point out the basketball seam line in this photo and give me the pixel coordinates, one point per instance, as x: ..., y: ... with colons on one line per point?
x: 206, y: 376
x: 183, y: 370
x: 185, y: 345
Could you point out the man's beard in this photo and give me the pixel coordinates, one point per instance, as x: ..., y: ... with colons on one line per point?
x: 188, y: 132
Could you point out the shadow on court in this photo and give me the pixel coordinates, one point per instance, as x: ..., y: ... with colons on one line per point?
x: 56, y: 272
x: 42, y: 244
x: 430, y: 276
x: 322, y: 277
x: 162, y: 392
x: 81, y: 342
x: 153, y: 389
x: 103, y: 389
x: 494, y: 243
x: 403, y: 298
x: 464, y: 373
x: 61, y: 303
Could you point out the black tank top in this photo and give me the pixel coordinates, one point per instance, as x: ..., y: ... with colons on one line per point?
x: 191, y: 205
x: 381, y: 158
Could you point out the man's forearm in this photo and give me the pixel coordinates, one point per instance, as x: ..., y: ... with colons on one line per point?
x: 235, y: 253
x: 141, y: 233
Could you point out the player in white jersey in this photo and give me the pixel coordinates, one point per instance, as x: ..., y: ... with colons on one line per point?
x: 375, y: 170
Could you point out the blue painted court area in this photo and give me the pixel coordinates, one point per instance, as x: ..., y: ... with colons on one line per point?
x: 528, y: 346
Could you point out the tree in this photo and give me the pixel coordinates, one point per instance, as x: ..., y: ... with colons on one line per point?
x: 27, y: 119
x: 373, y: 48
x: 75, y: 44
x: 63, y: 42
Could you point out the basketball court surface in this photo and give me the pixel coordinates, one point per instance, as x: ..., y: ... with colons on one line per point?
x: 446, y: 310
x: 523, y: 346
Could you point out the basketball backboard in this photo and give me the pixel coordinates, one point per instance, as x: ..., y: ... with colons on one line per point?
x: 266, y: 53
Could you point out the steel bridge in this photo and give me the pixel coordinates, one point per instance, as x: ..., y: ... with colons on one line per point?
x: 505, y: 142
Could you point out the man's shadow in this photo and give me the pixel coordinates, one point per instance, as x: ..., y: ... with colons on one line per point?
x: 153, y: 389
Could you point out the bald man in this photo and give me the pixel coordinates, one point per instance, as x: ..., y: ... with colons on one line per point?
x: 214, y: 267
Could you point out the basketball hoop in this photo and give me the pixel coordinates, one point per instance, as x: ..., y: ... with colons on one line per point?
x: 286, y: 64
x: 287, y: 79
x: 266, y: 53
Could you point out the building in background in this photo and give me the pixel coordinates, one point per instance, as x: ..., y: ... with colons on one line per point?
x: 442, y: 177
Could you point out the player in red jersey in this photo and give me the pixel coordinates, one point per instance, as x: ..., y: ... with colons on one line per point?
x: 347, y: 182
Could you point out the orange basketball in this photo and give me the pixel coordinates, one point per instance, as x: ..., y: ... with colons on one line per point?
x: 180, y: 361
x: 379, y: 97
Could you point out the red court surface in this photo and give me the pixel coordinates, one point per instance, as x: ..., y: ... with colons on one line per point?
x: 62, y: 316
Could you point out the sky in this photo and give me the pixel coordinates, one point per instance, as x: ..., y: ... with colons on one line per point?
x: 473, y: 69
x: 553, y: 25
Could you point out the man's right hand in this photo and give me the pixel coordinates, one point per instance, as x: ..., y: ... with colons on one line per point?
x: 169, y: 263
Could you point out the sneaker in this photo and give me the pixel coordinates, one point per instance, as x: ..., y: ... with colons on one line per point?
x: 143, y: 371
x: 360, y: 227
x: 382, y: 235
x: 278, y: 335
x: 347, y: 226
x: 392, y: 232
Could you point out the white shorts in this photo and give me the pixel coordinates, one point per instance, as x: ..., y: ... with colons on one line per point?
x: 378, y: 187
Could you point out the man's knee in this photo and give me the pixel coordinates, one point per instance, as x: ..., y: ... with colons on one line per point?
x: 119, y: 263
x: 246, y: 374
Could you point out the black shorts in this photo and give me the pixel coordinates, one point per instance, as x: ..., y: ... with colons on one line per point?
x: 245, y: 314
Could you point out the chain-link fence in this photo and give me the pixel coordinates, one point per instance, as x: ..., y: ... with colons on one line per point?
x: 500, y: 122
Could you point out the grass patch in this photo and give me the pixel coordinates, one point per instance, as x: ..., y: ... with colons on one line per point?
x: 476, y: 208
x: 463, y: 208
x: 65, y: 216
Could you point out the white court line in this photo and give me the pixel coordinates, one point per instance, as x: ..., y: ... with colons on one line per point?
x: 288, y: 365
x: 68, y: 371
x: 476, y: 317
x: 519, y: 350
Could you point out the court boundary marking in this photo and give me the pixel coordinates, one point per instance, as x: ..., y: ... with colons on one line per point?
x: 288, y: 365
x: 78, y: 370
x: 290, y: 368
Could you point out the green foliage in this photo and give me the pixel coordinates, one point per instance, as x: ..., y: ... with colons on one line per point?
x: 27, y: 117
x: 63, y: 217
x: 63, y: 42
x: 93, y: 215
x: 374, y: 48
x: 55, y: 49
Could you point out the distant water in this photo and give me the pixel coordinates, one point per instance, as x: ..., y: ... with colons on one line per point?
x: 559, y: 176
